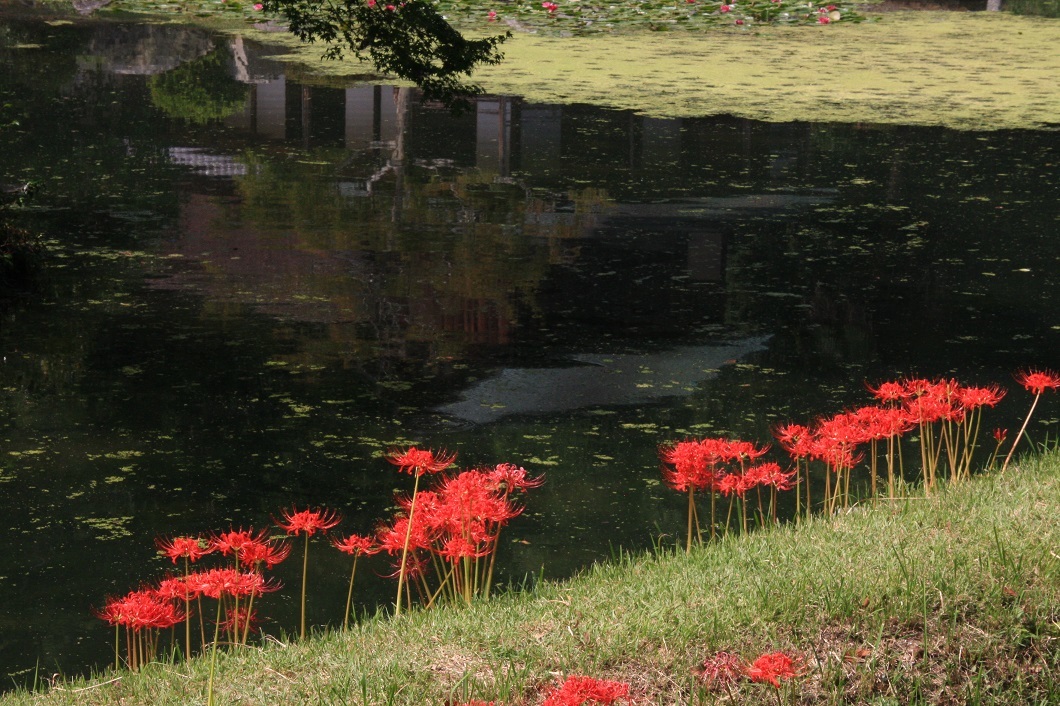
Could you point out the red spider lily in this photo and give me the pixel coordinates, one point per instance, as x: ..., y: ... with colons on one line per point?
x: 745, y: 451
x: 734, y: 484
x: 141, y: 610
x: 1038, y: 381
x: 420, y: 461
x: 770, y: 474
x: 550, y: 7
x: 468, y: 499
x: 478, y: 702
x: 773, y: 667
x: 974, y: 397
x: 417, y: 462
x: 356, y: 545
x: 798, y: 440
x: 240, y: 622
x: 307, y: 521
x: 176, y: 588
x: 577, y: 690
x: 510, y: 477
x: 1000, y: 435
x: 232, y: 541
x: 190, y: 548
x: 216, y: 583
x: 701, y: 465
x: 888, y: 391
x: 267, y: 554
x: 722, y: 669
x: 794, y: 438
x: 142, y: 613
x: 692, y: 466
x: 392, y: 537
x: 835, y: 441
x: 457, y: 548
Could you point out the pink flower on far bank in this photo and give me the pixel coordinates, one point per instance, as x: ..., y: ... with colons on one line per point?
x: 724, y: 8
x: 550, y: 6
x: 822, y: 20
x: 258, y: 6
x: 491, y: 15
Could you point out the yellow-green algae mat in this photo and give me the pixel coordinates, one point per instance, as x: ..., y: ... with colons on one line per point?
x: 978, y: 71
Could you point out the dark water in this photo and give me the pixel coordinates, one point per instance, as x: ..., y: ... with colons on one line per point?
x: 257, y: 283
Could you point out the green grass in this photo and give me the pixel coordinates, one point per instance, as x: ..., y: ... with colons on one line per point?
x: 951, y: 599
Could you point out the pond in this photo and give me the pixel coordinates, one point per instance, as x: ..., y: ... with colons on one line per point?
x: 257, y: 282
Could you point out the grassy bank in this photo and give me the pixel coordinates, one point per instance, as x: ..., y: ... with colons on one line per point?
x: 964, y: 70
x: 951, y: 599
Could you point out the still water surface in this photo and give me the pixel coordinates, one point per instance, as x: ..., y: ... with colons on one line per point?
x: 258, y: 282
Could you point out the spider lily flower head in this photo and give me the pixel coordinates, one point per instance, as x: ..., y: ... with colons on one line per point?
x: 696, y: 465
x: 576, y: 690
x: 267, y: 554
x: 773, y: 667
x: 457, y: 547
x: 190, y: 548
x: 975, y: 397
x: 233, y: 541
x: 215, y: 583
x: 734, y: 484
x: 722, y: 669
x: 745, y: 451
x: 1000, y: 435
x: 175, y: 588
x: 887, y: 391
x: 391, y: 538
x: 420, y: 461
x: 510, y: 477
x: 471, y: 497
x: 769, y: 473
x: 357, y: 545
x: 1038, y: 381
x: 307, y: 521
x: 140, y: 610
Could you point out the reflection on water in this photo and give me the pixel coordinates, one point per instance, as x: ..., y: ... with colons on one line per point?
x: 599, y: 381
x: 242, y: 312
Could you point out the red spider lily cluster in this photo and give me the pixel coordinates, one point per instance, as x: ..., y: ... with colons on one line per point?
x: 725, y: 670
x: 453, y: 530
x: 456, y: 531
x: 142, y: 614
x: 146, y: 611
x: 722, y: 467
x: 576, y: 691
x: 943, y: 416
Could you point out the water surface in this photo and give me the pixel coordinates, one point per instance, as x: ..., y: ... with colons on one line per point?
x: 258, y: 282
